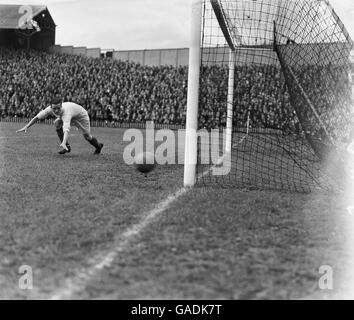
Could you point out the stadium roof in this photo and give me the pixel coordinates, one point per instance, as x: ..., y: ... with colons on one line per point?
x: 14, y: 16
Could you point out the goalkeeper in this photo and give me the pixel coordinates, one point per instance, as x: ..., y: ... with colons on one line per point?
x: 67, y: 114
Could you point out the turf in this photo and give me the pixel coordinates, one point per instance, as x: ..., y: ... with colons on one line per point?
x: 57, y: 212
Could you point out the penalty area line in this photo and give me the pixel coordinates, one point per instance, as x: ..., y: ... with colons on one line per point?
x: 78, y: 283
x: 83, y: 277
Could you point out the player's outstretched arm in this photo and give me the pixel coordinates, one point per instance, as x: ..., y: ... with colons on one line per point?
x: 29, y: 124
x: 65, y: 140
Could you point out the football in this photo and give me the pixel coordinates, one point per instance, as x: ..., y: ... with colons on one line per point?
x: 145, y: 162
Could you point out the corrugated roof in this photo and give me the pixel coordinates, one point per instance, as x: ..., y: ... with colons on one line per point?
x: 13, y: 16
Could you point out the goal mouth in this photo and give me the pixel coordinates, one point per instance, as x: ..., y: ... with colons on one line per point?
x: 274, y: 75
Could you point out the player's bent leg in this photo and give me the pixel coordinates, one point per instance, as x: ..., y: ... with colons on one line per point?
x: 84, y: 125
x: 93, y: 141
x: 58, y: 123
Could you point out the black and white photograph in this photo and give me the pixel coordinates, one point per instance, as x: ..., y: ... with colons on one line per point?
x: 176, y: 150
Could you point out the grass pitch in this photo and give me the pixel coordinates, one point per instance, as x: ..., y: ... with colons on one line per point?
x: 57, y: 212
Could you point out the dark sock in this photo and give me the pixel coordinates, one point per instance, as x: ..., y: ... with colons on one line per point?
x: 94, y: 142
x: 60, y: 134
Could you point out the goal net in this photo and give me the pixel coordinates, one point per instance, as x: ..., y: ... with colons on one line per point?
x: 273, y: 101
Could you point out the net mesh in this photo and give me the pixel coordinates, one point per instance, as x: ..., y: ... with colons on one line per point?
x: 292, y: 107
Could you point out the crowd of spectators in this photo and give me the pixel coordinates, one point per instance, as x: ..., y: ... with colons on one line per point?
x: 329, y: 90
x: 119, y: 91
x: 261, y: 99
x: 109, y: 89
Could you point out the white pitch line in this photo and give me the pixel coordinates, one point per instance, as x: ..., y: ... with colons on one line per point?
x: 21, y: 137
x: 30, y: 137
x: 83, y: 277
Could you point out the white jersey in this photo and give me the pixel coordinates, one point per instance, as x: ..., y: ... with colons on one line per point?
x: 69, y: 111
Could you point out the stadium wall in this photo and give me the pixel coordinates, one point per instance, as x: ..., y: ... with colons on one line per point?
x: 152, y: 57
x: 55, y: 49
x: 93, y: 52
x: 67, y: 50
x: 172, y: 57
x: 169, y: 57
x: 80, y: 51
x: 155, y: 57
x: 306, y: 54
x: 88, y: 52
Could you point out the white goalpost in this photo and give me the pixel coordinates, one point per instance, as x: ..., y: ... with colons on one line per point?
x: 191, y: 142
